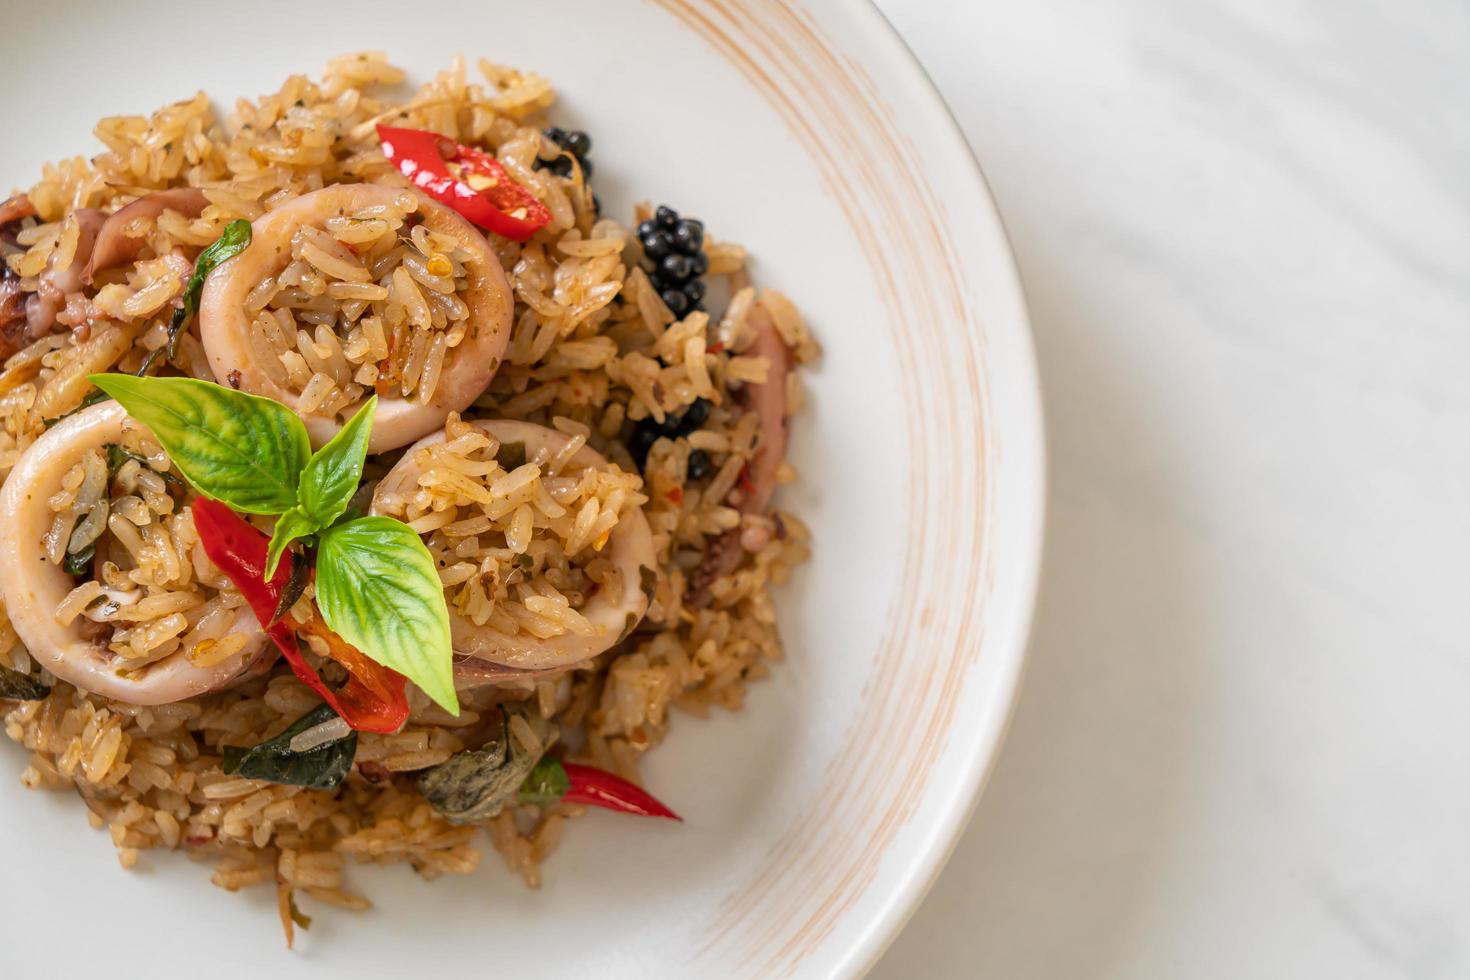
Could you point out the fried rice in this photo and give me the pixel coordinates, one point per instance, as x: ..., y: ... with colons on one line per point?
x: 372, y: 302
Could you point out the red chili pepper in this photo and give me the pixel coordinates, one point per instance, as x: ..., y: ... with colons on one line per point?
x: 594, y: 787
x: 467, y: 179
x: 373, y: 699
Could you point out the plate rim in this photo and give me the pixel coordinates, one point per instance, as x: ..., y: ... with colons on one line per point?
x: 946, y: 829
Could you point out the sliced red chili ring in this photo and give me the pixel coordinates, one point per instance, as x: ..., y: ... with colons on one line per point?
x: 467, y: 179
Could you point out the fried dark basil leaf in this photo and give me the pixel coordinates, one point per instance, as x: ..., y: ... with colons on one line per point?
x: 511, y: 455
x: 15, y: 686
x: 322, y: 767
x: 478, y: 784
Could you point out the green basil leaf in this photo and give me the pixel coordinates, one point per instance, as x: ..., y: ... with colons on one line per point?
x: 93, y: 398
x: 290, y: 526
x: 15, y: 686
x: 240, y: 449
x: 331, y: 478
x: 80, y: 562
x: 231, y: 242
x: 117, y: 456
x: 546, y: 784
x: 320, y: 768
x: 377, y: 587
x: 234, y: 240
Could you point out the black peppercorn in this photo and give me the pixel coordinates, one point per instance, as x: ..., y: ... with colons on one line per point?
x: 577, y: 143
x: 699, y: 465
x: 675, y: 268
x: 657, y: 245
x: 690, y: 235
x: 648, y: 431
x: 674, y: 249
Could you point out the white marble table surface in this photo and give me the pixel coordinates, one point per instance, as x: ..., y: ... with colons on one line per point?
x: 1243, y: 745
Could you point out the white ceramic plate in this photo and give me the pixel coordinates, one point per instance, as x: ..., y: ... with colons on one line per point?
x: 816, y: 818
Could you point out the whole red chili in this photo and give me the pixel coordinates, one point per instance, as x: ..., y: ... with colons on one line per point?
x: 552, y: 781
x: 595, y: 787
x: 374, y: 698
x: 467, y: 179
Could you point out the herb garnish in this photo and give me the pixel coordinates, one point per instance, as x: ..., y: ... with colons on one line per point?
x: 326, y: 486
x: 240, y: 449
x: 377, y: 586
